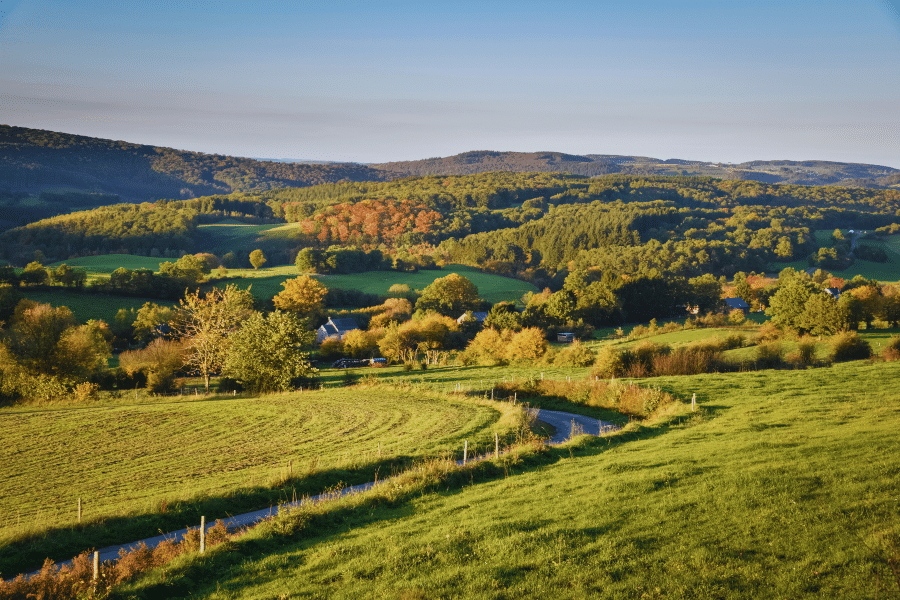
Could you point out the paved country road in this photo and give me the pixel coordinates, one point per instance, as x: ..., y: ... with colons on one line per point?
x: 563, y: 422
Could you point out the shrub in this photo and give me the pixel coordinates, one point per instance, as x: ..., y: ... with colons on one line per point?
x: 768, y: 332
x: 689, y: 360
x: 331, y: 349
x: 892, y: 350
x: 644, y: 354
x: 527, y: 345
x: 849, y: 346
x: 805, y: 354
x: 575, y: 355
x: 769, y: 355
x: 736, y: 317
x: 610, y: 362
x: 86, y: 391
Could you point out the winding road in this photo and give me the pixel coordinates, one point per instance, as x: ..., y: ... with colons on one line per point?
x: 564, y: 423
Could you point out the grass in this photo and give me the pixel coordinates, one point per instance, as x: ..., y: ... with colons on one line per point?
x: 784, y: 485
x: 888, y: 272
x: 107, y: 263
x: 141, y: 467
x: 266, y: 282
x: 90, y: 306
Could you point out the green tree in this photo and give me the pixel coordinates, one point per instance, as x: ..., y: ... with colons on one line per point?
x: 149, y: 320
x: 704, y: 292
x: 265, y: 354
x: 257, y: 258
x: 787, y: 304
x: 450, y: 296
x: 822, y: 315
x: 34, y: 274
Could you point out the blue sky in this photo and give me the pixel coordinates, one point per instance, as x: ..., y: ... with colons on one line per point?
x: 379, y: 81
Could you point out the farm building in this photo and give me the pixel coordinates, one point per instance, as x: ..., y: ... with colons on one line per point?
x: 335, y: 328
x: 730, y: 304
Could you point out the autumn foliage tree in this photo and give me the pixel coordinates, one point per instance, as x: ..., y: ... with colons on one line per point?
x: 302, y: 295
x: 205, y: 324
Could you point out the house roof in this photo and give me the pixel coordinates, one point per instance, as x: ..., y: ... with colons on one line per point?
x: 345, y: 324
x: 737, y: 303
x: 478, y: 316
x: 833, y: 292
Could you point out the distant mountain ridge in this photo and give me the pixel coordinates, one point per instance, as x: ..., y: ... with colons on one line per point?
x: 32, y: 160
x: 810, y: 172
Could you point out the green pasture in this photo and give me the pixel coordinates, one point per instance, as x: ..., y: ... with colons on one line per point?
x: 782, y: 485
x: 231, y: 236
x: 493, y: 288
x: 90, y: 306
x: 107, y: 263
x: 266, y: 282
x: 139, y: 467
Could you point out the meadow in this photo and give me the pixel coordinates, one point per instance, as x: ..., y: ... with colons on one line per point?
x: 782, y: 485
x: 888, y: 272
x: 157, y: 463
x: 266, y: 282
x: 89, y: 306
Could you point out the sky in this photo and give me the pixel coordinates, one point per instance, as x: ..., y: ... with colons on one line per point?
x: 377, y: 81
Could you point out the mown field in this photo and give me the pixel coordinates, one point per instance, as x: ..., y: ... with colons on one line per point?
x: 783, y: 485
x: 151, y: 465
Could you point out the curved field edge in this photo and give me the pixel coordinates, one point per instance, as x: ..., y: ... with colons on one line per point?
x: 144, y: 468
x: 782, y: 485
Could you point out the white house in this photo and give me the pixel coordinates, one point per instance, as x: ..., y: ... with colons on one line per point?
x: 335, y: 328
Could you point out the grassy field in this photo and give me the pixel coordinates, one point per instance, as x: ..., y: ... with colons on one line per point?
x: 784, y: 485
x: 90, y: 306
x: 493, y: 288
x: 108, y: 263
x: 888, y: 272
x: 154, y: 465
x: 224, y: 237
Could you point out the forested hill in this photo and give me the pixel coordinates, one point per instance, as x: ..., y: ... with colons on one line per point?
x: 811, y: 172
x: 33, y: 160
x: 481, y: 161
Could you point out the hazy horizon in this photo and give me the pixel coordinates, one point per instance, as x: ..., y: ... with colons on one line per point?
x: 391, y: 81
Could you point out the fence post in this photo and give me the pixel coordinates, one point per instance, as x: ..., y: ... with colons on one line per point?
x: 96, y: 564
x: 202, y: 534
x: 79, y: 510
x: 694, y: 402
x: 466, y: 452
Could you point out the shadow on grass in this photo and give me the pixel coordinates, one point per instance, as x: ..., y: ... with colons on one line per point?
x: 62, y: 543
x: 372, y: 508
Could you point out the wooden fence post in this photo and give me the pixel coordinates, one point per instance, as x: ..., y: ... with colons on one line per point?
x: 202, y: 534
x: 694, y: 402
x: 466, y: 452
x: 96, y: 565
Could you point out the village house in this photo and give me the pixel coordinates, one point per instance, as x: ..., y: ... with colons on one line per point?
x: 335, y: 328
